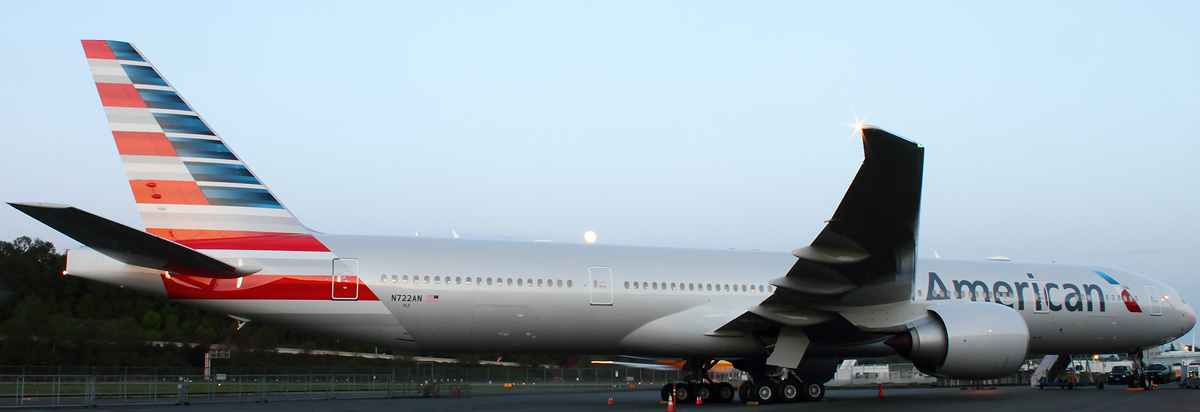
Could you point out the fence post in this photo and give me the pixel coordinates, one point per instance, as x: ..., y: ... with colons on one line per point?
x: 391, y: 386
x: 89, y: 395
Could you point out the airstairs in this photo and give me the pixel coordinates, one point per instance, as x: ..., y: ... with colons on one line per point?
x: 1049, y: 369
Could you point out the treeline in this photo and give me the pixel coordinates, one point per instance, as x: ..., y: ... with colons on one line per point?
x: 50, y: 319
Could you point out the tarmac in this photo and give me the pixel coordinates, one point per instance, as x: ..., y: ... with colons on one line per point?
x: 1001, y: 399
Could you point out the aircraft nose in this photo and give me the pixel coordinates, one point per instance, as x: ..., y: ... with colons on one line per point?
x: 1183, y: 316
x: 1189, y: 317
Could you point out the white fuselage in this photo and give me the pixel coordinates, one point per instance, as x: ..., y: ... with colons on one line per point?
x: 434, y: 295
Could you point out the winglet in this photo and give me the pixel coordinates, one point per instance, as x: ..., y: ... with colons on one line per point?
x: 871, y: 240
x: 130, y: 245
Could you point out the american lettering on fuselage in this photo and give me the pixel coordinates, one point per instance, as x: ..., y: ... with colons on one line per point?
x: 1079, y: 298
x: 1043, y: 295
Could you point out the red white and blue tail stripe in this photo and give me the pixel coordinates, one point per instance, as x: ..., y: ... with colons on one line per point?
x: 192, y: 189
x: 189, y: 186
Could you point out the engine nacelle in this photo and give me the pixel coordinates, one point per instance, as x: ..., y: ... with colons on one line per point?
x: 967, y: 340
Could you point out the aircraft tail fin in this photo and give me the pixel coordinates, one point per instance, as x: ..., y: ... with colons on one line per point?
x: 187, y: 183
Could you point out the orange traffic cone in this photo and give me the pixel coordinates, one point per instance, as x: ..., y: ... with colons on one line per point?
x: 610, y: 400
x: 881, y: 390
x: 671, y: 400
x: 698, y: 399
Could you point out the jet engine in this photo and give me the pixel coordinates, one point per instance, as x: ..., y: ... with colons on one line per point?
x: 966, y: 340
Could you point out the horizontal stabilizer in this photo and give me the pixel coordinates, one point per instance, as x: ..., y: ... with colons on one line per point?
x: 129, y: 245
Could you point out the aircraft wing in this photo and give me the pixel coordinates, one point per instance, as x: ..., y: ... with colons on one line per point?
x: 861, y: 265
x: 130, y: 245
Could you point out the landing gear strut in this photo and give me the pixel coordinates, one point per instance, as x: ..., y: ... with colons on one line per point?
x: 697, y: 384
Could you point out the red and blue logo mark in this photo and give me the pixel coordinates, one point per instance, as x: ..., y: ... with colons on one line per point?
x: 1126, y: 297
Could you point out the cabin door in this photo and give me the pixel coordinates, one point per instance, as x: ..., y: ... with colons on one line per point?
x: 345, y: 279
x: 601, y: 285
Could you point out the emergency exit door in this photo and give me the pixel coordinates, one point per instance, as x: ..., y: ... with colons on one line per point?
x: 601, y: 285
x: 345, y: 279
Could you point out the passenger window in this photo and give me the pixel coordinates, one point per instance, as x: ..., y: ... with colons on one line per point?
x: 529, y: 282
x: 489, y: 281
x: 672, y: 285
x: 382, y: 278
x: 520, y: 282
x: 560, y: 283
x: 394, y: 279
x: 539, y: 282
x: 427, y: 279
x: 691, y: 286
x: 627, y: 284
x: 568, y: 283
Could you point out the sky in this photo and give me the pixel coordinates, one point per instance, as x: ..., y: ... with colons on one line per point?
x: 1054, y: 131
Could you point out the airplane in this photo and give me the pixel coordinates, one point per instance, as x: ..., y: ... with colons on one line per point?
x: 217, y: 238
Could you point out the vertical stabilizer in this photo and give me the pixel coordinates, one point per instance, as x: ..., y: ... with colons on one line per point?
x: 187, y: 183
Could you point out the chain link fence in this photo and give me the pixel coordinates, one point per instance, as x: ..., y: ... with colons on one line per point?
x: 44, y: 386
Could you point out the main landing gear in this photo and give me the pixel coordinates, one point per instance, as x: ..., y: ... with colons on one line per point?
x: 781, y: 386
x: 767, y: 384
x: 698, y: 384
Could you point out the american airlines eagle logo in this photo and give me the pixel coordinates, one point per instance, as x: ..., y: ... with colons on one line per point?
x: 1126, y: 297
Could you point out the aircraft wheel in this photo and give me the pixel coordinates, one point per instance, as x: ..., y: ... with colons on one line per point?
x: 685, y: 393
x: 724, y: 392
x: 704, y: 391
x: 789, y: 391
x: 666, y: 392
x: 744, y: 392
x: 765, y: 392
x: 812, y: 391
